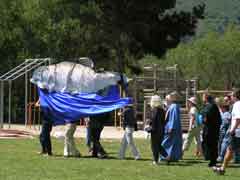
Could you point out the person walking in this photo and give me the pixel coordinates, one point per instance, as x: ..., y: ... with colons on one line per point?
x: 45, y: 137
x: 157, y: 120
x: 96, y: 125
x: 70, y: 149
x: 129, y: 125
x: 224, y: 135
x: 172, y: 141
x: 194, y: 127
x: 234, y: 134
x: 211, y: 126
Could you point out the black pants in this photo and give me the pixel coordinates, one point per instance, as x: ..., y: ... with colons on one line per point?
x: 210, y: 146
x: 95, y: 138
x: 157, y: 149
x: 45, y: 139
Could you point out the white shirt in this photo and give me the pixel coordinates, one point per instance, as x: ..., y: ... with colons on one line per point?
x: 235, y: 114
x: 193, y: 112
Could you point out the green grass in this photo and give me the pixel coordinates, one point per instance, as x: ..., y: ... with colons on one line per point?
x: 19, y: 161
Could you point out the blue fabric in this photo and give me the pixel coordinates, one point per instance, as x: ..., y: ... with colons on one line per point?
x: 64, y: 107
x: 199, y: 119
x: 172, y: 141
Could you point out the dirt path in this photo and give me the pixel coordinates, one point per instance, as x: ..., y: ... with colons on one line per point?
x: 20, y: 131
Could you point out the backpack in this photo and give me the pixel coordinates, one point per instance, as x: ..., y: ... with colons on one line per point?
x: 199, y: 119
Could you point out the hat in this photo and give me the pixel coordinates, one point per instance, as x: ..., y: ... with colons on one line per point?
x: 193, y: 100
x: 155, y: 101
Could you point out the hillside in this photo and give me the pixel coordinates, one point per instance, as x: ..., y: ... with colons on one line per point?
x: 218, y: 13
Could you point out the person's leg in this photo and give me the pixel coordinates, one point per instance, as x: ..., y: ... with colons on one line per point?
x: 213, y: 147
x: 94, y: 141
x: 155, y: 147
x: 187, y: 142
x: 88, y: 138
x: 42, y: 139
x: 73, y: 149
x: 197, y: 137
x: 221, y: 136
x: 129, y: 137
x: 49, y: 143
x: 123, y: 147
x: 227, y: 158
x: 225, y: 144
x: 67, y: 143
x: 102, y: 153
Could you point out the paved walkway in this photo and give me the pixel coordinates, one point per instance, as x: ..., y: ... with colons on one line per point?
x: 109, y: 132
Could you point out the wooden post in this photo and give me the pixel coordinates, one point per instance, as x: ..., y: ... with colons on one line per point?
x: 9, y: 103
x: 155, y: 78
x: 187, y: 92
x: 1, y: 104
x: 135, y: 96
x: 144, y: 111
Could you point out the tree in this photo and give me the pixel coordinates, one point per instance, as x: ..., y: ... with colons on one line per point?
x: 214, y: 59
x: 146, y: 27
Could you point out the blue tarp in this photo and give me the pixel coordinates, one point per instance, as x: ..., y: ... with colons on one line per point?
x: 63, y: 107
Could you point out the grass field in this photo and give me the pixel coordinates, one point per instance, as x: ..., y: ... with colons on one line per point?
x: 19, y: 161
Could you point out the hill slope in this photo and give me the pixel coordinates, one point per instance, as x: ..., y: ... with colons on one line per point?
x: 218, y: 13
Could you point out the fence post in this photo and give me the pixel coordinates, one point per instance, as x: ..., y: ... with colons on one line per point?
x: 1, y: 104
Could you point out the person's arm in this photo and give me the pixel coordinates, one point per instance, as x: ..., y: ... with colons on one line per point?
x: 192, y: 121
x: 37, y: 104
x: 237, y: 124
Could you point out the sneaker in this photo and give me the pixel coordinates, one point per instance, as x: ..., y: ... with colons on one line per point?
x: 154, y: 163
x: 137, y: 158
x: 41, y: 153
x: 102, y: 156
x: 218, y: 170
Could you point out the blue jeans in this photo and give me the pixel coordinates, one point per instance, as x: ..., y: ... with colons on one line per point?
x: 88, y: 137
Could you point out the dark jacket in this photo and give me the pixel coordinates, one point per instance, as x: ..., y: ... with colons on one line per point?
x: 157, y: 120
x: 129, y: 118
x: 98, y: 120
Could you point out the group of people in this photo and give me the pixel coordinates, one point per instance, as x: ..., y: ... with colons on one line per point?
x: 94, y: 128
x: 215, y: 128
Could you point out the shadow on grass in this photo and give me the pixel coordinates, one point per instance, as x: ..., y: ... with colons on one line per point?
x: 183, y: 163
x: 234, y: 166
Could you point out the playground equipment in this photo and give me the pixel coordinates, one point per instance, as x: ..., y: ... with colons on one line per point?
x: 161, y: 81
x: 14, y: 74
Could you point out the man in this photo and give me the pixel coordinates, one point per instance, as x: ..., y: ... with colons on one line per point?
x: 172, y: 141
x: 234, y: 133
x: 129, y: 124
x: 96, y: 126
x: 211, y: 126
x: 70, y: 149
x: 45, y: 138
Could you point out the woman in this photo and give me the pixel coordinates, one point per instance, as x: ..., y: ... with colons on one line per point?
x: 157, y: 127
x: 224, y: 137
x: 194, y: 128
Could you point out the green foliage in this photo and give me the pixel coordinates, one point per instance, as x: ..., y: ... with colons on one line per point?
x: 113, y: 33
x: 214, y: 59
x: 218, y: 13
